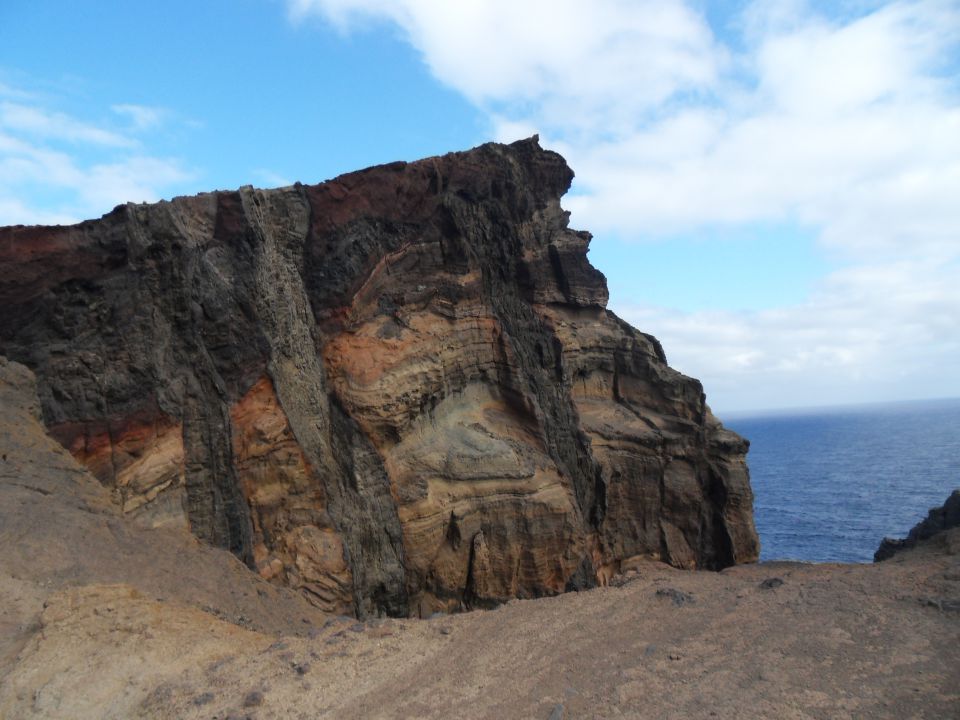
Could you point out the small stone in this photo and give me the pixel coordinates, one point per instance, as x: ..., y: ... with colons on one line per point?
x: 302, y: 668
x: 771, y: 583
x: 220, y: 664
x: 254, y: 698
x: 649, y: 650
x: 941, y: 604
x: 556, y: 713
x: 358, y: 627
x: 931, y: 602
x: 445, y: 631
x: 678, y: 597
x: 203, y: 698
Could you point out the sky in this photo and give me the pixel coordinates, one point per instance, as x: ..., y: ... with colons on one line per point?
x: 773, y: 187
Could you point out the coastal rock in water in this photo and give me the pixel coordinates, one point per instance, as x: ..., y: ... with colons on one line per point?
x: 397, y: 391
x: 938, y: 520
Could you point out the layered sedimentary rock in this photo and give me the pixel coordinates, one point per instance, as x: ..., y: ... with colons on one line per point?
x: 398, y: 391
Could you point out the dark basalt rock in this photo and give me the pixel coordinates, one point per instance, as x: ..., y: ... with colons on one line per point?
x: 678, y: 597
x: 938, y: 520
x: 398, y: 391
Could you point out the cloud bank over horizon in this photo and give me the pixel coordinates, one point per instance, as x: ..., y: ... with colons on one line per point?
x: 847, y: 124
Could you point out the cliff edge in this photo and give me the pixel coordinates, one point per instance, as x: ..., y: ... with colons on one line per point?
x: 398, y: 391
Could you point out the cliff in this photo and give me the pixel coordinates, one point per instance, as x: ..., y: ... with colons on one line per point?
x: 398, y: 391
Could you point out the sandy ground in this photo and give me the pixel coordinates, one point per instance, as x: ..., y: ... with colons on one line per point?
x: 831, y: 641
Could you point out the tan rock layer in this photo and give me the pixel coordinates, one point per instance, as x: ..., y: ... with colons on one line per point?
x: 398, y: 391
x: 294, y: 539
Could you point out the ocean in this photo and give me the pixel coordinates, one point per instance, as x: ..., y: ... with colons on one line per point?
x: 830, y: 484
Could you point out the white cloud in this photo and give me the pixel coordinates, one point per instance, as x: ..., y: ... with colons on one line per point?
x: 47, y: 175
x: 847, y: 124
x: 843, y: 122
x: 141, y: 116
x: 271, y: 179
x: 13, y: 211
x: 136, y: 178
x: 40, y: 123
x: 889, y: 331
x: 551, y: 58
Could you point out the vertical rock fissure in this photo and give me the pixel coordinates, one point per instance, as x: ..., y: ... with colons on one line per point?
x: 720, y: 548
x: 214, y: 506
x: 365, y: 516
x: 216, y: 509
x: 556, y: 414
x: 533, y: 346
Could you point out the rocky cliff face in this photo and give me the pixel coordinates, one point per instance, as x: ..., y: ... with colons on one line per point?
x: 398, y: 391
x: 938, y: 520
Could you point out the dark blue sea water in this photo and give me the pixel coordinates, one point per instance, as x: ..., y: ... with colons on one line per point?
x: 829, y: 484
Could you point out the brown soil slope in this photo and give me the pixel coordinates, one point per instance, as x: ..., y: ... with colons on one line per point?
x: 830, y: 642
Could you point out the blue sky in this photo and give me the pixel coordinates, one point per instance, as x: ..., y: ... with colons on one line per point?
x: 772, y: 186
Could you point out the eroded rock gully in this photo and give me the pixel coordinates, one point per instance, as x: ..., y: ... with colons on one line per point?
x: 398, y: 391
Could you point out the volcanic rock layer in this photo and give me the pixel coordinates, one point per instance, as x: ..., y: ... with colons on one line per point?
x: 398, y: 391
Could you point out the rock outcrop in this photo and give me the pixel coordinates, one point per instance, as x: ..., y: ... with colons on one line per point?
x: 398, y: 391
x: 938, y: 520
